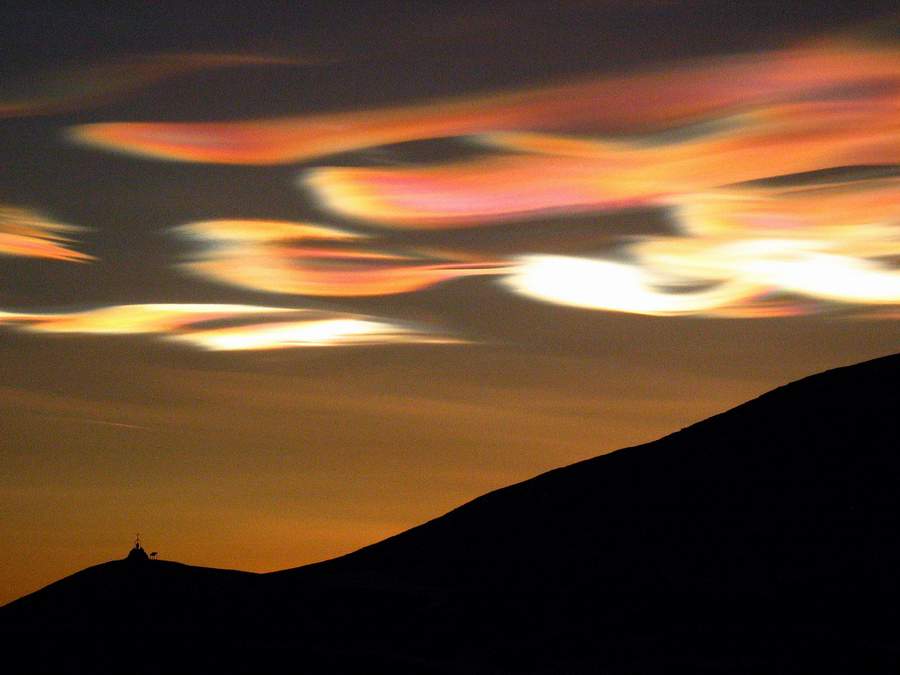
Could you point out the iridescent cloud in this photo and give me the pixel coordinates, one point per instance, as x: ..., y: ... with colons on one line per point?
x: 306, y: 259
x: 861, y: 214
x: 633, y: 103
x: 246, y: 327
x: 470, y: 194
x: 695, y: 139
x: 345, y: 330
x: 619, y: 287
x: 86, y: 86
x: 29, y: 234
x: 557, y: 174
x: 743, y: 252
x: 132, y: 319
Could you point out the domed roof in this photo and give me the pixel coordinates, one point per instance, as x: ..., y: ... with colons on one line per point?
x: 137, y: 553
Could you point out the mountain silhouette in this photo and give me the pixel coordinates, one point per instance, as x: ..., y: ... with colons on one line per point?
x: 759, y: 540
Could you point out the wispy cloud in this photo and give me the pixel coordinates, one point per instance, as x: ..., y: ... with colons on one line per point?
x: 87, y: 86
x: 99, y: 422
x: 29, y: 234
x: 248, y: 327
x: 306, y: 259
x: 656, y: 99
x: 337, y: 331
x: 700, y: 139
x: 743, y: 252
x: 132, y: 319
x: 553, y: 174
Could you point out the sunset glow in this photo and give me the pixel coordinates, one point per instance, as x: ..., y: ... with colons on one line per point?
x: 279, y: 280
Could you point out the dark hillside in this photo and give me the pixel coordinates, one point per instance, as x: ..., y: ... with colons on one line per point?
x: 759, y: 540
x: 800, y: 487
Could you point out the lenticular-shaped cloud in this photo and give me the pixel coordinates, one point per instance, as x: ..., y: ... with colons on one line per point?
x: 306, y: 259
x: 246, y: 327
x: 557, y: 174
x: 618, y: 287
x: 860, y: 214
x: 468, y: 194
x: 741, y: 252
x: 695, y: 139
x: 631, y: 103
x: 29, y: 234
x: 341, y: 331
x: 132, y: 319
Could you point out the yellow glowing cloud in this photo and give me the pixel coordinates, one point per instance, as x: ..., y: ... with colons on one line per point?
x: 740, y: 250
x: 304, y: 259
x: 75, y: 88
x: 831, y: 277
x: 631, y: 103
x: 618, y: 287
x: 333, y: 332
x: 249, y: 327
x: 862, y: 214
x: 812, y: 268
x: 132, y: 319
x: 29, y: 234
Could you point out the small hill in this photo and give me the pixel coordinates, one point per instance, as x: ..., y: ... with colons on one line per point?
x: 142, y: 594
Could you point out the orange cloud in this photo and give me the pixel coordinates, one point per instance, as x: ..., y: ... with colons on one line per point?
x: 132, y: 319
x: 29, y: 234
x: 858, y: 216
x: 557, y: 174
x: 305, y: 259
x: 249, y: 327
x: 698, y: 139
x: 632, y: 103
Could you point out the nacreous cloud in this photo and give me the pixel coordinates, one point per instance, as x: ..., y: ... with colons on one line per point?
x: 633, y: 103
x: 345, y: 330
x: 132, y: 319
x: 305, y: 259
x: 228, y: 327
x: 28, y: 234
x: 743, y: 252
x: 562, y: 175
x: 620, y: 287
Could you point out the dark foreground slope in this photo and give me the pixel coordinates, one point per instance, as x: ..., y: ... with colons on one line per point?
x: 760, y: 540
x: 798, y: 488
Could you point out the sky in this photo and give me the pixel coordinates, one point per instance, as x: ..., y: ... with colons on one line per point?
x: 276, y: 283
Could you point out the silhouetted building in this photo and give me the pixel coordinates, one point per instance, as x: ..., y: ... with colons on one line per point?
x: 137, y: 553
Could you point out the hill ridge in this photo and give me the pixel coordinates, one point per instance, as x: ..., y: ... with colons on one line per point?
x: 747, y: 542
